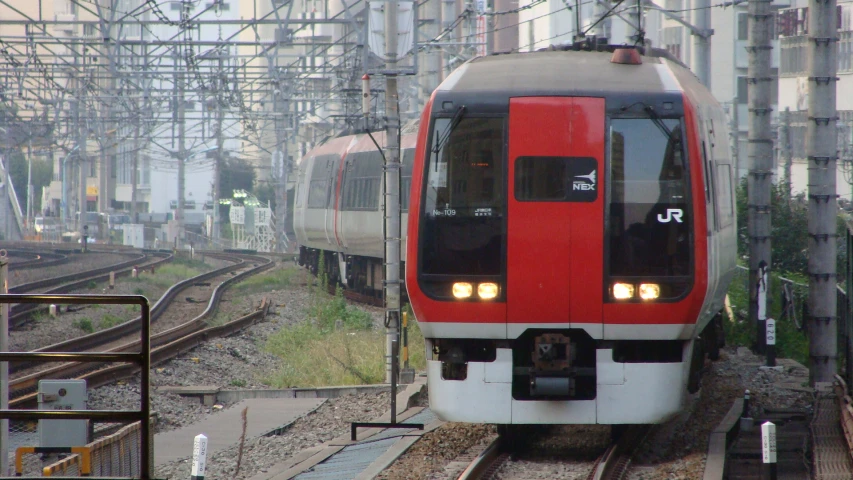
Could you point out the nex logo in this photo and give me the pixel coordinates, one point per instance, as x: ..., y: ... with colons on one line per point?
x: 671, y: 214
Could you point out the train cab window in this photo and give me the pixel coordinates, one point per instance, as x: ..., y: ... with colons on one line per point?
x: 464, y: 200
x: 649, y: 199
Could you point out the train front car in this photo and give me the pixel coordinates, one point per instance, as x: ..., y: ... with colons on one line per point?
x: 559, y: 261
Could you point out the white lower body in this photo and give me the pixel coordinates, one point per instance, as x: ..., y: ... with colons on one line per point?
x: 626, y: 393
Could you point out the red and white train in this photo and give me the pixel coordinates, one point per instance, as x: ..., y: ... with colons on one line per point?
x: 571, y: 235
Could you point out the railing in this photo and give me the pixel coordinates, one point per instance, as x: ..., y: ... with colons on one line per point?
x: 140, y: 358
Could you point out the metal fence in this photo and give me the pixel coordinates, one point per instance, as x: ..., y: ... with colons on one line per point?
x: 126, y: 445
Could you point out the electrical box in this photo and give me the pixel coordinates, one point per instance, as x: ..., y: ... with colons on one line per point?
x: 134, y: 235
x: 62, y: 395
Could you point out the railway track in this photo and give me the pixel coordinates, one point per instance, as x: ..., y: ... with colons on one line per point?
x: 164, y: 345
x: 19, y: 315
x: 34, y: 259
x: 613, y: 464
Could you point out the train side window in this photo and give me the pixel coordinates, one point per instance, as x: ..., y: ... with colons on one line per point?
x: 710, y: 188
x: 724, y: 181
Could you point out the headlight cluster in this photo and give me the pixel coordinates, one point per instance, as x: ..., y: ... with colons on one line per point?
x: 628, y: 291
x: 486, y: 291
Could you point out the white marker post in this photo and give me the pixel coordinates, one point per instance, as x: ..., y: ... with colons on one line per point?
x: 770, y: 328
x: 768, y: 447
x: 200, y: 457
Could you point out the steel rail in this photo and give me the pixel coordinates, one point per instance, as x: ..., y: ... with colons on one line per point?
x: 101, y: 337
x: 16, y: 311
x: 164, y: 345
x: 40, y: 260
x: 614, y: 463
x: 486, y: 462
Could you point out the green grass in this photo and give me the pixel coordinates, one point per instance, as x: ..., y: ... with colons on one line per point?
x: 264, y: 282
x: 238, y: 382
x: 170, y: 274
x: 84, y: 324
x: 337, y: 345
x: 790, y: 342
x: 109, y: 321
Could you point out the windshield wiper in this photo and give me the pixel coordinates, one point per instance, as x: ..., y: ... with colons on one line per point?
x: 442, y: 139
x: 658, y: 121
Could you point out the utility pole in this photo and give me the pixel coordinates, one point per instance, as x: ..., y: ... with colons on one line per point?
x: 702, y: 41
x: 392, y: 194
x: 281, y: 164
x: 220, y: 141
x: 822, y: 153
x: 182, y: 154
x: 134, y: 180
x: 787, y: 153
x: 760, y: 152
x: 30, y: 182
x: 602, y: 28
x: 82, y: 152
x: 448, y: 16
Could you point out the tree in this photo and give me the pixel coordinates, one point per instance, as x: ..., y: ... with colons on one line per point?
x: 237, y: 174
x: 42, y: 175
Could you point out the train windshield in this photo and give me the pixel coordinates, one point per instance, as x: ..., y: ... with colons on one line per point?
x: 464, y: 197
x: 649, y: 198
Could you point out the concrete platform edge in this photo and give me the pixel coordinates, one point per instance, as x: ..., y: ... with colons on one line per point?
x: 314, y: 455
x: 715, y: 461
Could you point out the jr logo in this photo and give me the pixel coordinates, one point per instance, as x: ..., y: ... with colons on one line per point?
x: 671, y: 214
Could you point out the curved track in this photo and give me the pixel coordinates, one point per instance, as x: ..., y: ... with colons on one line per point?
x: 124, y: 337
x: 34, y: 259
x: 20, y: 314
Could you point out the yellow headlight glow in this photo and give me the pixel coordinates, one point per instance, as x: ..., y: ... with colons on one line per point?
x: 462, y: 289
x: 487, y: 291
x: 649, y: 291
x: 623, y: 291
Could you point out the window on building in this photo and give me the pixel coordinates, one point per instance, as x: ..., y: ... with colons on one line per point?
x: 742, y: 90
x: 742, y: 26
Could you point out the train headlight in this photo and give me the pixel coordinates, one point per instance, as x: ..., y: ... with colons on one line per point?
x: 487, y: 291
x: 462, y: 289
x: 649, y: 291
x: 623, y: 291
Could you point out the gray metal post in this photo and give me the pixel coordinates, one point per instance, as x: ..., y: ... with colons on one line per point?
x: 220, y: 141
x: 448, y: 16
x: 182, y: 153
x: 821, y: 150
x: 787, y: 152
x: 702, y: 41
x: 30, y: 183
x: 392, y: 192
x: 760, y: 152
x: 134, y: 168
x: 4, y: 372
x: 602, y: 28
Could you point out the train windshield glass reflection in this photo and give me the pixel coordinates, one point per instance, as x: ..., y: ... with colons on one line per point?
x: 464, y: 199
x: 649, y: 199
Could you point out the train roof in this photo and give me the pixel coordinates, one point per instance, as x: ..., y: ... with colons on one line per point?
x: 496, y: 78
